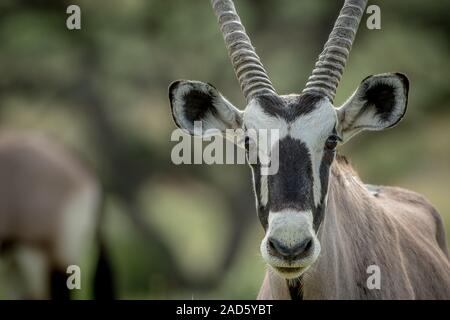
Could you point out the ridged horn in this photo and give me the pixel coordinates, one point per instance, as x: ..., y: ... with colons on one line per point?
x: 329, y: 68
x: 249, y: 70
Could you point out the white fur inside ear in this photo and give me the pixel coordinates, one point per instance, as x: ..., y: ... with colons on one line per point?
x: 354, y: 116
x: 222, y: 115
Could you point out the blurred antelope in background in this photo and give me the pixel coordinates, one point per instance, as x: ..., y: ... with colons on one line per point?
x: 323, y: 226
x: 49, y: 217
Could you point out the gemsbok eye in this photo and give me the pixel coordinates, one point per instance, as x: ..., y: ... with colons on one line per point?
x: 247, y: 142
x: 332, y: 142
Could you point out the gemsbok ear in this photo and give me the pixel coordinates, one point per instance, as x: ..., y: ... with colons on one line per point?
x: 378, y: 103
x: 195, y: 102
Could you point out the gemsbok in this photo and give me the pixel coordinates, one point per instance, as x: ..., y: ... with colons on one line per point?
x: 323, y: 227
x: 49, y: 218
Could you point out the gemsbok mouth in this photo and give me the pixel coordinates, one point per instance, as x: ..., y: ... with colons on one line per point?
x: 290, y: 245
x: 289, y: 272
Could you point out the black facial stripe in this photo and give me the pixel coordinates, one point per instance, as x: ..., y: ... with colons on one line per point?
x: 263, y: 211
x: 324, y: 172
x: 292, y: 186
x: 289, y: 108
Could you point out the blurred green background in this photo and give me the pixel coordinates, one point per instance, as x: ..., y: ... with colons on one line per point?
x: 192, y: 231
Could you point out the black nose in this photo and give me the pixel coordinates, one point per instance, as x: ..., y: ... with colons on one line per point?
x: 297, y: 251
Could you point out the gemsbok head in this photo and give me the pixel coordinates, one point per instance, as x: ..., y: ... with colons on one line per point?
x: 295, y: 203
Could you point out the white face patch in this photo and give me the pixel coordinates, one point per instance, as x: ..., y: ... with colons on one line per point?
x: 290, y: 228
x: 290, y: 225
x: 256, y: 118
x: 312, y: 129
x: 264, y: 189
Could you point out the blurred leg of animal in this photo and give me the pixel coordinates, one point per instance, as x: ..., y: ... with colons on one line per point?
x: 10, y: 287
x: 103, y: 278
x: 32, y: 266
x: 75, y: 238
x: 9, y: 278
x: 23, y: 273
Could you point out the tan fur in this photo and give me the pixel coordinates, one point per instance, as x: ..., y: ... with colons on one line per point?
x: 395, y: 229
x: 38, y: 182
